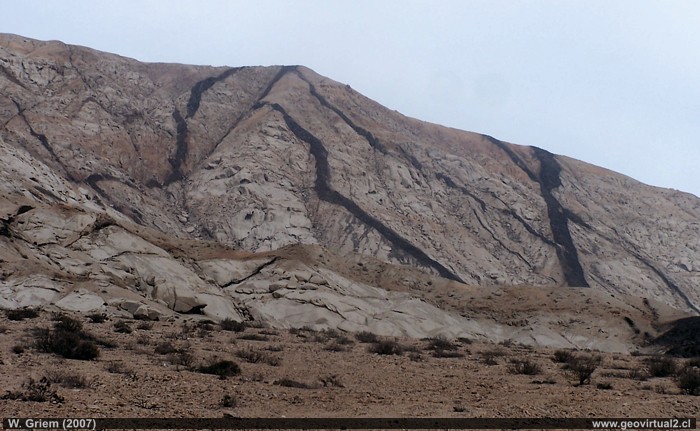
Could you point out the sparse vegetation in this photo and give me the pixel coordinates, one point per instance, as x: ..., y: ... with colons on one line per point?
x: 289, y: 383
x: 489, y: 357
x: 640, y: 374
x: 688, y: 380
x: 332, y: 381
x: 228, y: 401
x: 255, y: 356
x: 222, y: 368
x: 524, y: 366
x: 229, y: 324
x: 67, y: 339
x: 447, y: 354
x: 35, y: 391
x: 122, y: 327
x: 66, y: 379
x: 165, y: 348
x: 97, y: 317
x: 181, y: 358
x: 254, y: 337
x: 145, y: 325
x: 441, y: 343
x: 386, y: 347
x: 21, y: 314
x: 334, y: 346
x: 562, y: 356
x: 18, y: 349
x: 416, y: 357
x: 660, y: 366
x: 366, y: 337
x: 582, y: 367
x: 115, y: 367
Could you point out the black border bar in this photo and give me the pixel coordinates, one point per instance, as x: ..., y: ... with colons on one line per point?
x: 380, y: 423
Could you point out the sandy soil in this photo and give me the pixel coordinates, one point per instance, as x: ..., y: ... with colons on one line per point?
x: 131, y: 380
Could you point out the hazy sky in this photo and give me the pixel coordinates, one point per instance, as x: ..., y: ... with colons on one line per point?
x: 614, y: 83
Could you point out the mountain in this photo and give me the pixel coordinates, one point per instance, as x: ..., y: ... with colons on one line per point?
x: 274, y: 193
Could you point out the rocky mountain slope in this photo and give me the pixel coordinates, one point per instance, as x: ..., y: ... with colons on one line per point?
x: 134, y: 183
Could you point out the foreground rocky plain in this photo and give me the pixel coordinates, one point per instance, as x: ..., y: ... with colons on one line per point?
x: 159, y: 369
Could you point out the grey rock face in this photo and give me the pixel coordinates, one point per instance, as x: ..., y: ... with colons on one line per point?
x: 261, y: 158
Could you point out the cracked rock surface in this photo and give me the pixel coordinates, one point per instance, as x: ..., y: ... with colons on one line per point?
x: 173, y: 188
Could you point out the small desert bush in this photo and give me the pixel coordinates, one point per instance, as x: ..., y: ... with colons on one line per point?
x: 416, y: 357
x: 490, y: 357
x: 122, y: 327
x: 386, y: 347
x: 562, y: 356
x: 222, y: 368
x: 145, y: 325
x: 254, y: 337
x: 441, y: 343
x: 506, y: 343
x: 582, y: 367
x: 256, y: 356
x: 165, y: 347
x: 332, y: 381
x: 439, y: 353
x: 35, y: 391
x: 289, y: 383
x: 228, y: 401
x: 97, y: 317
x: 335, y: 347
x: 67, y: 339
x: 21, y: 314
x: 604, y: 386
x: 660, y: 366
x: 66, y: 379
x: 181, y: 358
x: 229, y: 324
x: 366, y: 337
x: 115, y: 367
x: 18, y: 349
x: 524, y: 366
x: 639, y: 374
x: 688, y: 380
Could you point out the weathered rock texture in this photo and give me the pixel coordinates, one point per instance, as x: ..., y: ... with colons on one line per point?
x: 259, y: 158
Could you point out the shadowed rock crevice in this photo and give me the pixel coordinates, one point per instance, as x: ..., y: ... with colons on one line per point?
x: 43, y: 140
x: 258, y: 104
x: 178, y: 158
x: 495, y: 238
x: 257, y: 271
x: 200, y: 87
x: 279, y: 75
x: 451, y: 184
x: 508, y: 212
x: 373, y: 142
x: 670, y: 283
x: 549, y: 179
x: 94, y: 181
x: 326, y: 193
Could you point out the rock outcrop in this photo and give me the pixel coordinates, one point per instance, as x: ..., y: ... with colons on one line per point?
x: 108, y: 166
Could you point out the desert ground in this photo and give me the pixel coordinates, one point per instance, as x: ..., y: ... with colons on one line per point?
x: 156, y: 369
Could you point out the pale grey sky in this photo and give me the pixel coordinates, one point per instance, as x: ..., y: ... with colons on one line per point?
x: 613, y: 83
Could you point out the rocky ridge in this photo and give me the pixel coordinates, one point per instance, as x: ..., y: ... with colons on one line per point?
x: 111, y: 168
